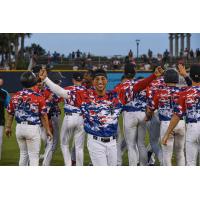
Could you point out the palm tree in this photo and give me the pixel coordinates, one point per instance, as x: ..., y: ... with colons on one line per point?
x: 23, y: 36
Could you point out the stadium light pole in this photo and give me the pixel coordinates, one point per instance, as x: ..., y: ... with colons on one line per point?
x: 137, y: 43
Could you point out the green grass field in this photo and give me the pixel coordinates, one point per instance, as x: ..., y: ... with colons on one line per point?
x: 10, y: 152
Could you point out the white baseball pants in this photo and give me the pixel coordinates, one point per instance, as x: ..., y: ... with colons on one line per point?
x: 135, y: 131
x: 119, y: 143
x: 154, y: 135
x: 50, y: 145
x: 102, y: 153
x: 192, y: 143
x: 28, y: 138
x: 176, y: 141
x: 1, y: 139
x: 72, y: 126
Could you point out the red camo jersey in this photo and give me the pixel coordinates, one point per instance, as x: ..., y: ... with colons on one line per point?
x: 165, y: 100
x: 188, y: 104
x: 27, y: 106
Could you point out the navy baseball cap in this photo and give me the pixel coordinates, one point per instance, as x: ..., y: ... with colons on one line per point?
x: 77, y: 76
x: 100, y: 72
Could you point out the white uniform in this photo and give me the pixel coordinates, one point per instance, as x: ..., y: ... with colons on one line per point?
x: 135, y: 129
x: 27, y: 106
x: 72, y: 126
x: 101, y: 117
x: 164, y: 100
x: 188, y: 105
x: 54, y: 112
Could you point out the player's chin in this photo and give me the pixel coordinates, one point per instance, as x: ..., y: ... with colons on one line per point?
x: 100, y: 88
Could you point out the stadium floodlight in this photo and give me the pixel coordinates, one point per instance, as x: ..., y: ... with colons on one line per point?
x: 137, y: 43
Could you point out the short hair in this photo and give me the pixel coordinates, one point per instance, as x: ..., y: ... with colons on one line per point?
x: 100, y: 72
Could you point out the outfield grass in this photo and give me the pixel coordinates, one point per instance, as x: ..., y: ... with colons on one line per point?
x: 10, y: 152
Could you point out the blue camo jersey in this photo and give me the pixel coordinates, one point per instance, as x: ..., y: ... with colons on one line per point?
x: 51, y: 99
x: 164, y: 100
x: 27, y: 106
x: 138, y: 104
x: 188, y: 104
x: 101, y: 112
x: 69, y: 106
x: 52, y: 103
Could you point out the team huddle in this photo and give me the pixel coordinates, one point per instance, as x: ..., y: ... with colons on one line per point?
x: 159, y: 105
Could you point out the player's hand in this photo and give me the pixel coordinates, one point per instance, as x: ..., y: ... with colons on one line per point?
x: 165, y: 138
x: 49, y: 135
x: 148, y: 116
x: 159, y: 71
x: 182, y: 70
x: 8, y: 131
x: 43, y: 74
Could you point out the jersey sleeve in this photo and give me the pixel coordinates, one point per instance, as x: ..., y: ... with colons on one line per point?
x: 10, y: 107
x: 141, y: 85
x: 56, y: 89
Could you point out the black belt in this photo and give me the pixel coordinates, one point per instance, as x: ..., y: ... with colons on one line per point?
x: 70, y: 114
x: 27, y: 123
x: 104, y: 139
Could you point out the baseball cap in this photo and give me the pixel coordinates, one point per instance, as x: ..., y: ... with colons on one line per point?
x: 77, y: 76
x: 99, y: 72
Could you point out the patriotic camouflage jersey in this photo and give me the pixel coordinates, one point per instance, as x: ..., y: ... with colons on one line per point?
x: 27, y: 106
x: 69, y: 106
x: 101, y: 112
x: 139, y: 103
x: 51, y: 100
x: 165, y: 101
x: 188, y: 104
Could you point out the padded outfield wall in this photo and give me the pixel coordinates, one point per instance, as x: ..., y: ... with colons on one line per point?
x: 12, y: 78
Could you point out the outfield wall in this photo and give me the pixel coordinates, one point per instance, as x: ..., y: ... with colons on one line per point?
x: 12, y: 79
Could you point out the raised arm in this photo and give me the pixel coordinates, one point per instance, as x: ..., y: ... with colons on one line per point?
x: 141, y: 85
x: 56, y: 89
x: 183, y: 73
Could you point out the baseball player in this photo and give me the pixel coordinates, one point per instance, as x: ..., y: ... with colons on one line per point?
x: 135, y: 129
x: 30, y: 112
x: 120, y: 139
x: 134, y: 122
x: 87, y: 82
x: 163, y: 100
x: 53, y: 112
x: 73, y: 124
x: 4, y: 101
x: 153, y: 125
x: 188, y: 105
x: 101, y: 110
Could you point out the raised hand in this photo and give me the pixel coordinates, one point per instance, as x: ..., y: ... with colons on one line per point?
x: 159, y: 71
x: 43, y: 74
x: 182, y: 70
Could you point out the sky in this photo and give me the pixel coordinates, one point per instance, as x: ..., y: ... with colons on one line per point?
x: 105, y: 44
